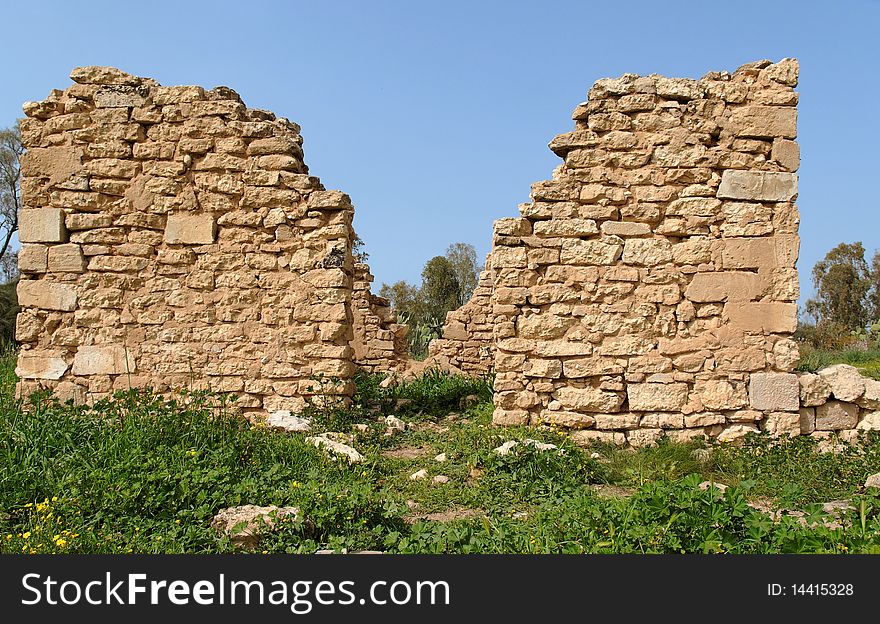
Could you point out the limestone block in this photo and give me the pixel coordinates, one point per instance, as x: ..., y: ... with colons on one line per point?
x: 759, y: 186
x: 86, y: 221
x: 199, y: 229
x: 771, y: 392
x: 120, y: 96
x: 625, y: 228
x: 103, y: 360
x: 565, y: 227
x: 721, y: 395
x: 42, y: 225
x: 845, y: 381
x: 57, y: 163
x: 764, y: 122
x: 725, y: 286
x: 758, y: 317
x: 588, y: 399
x: 582, y: 252
x: 40, y: 365
x: 871, y: 398
x: 33, y: 259
x: 870, y: 422
x: 639, y: 438
x: 814, y: 389
x: 808, y: 420
x: 836, y: 415
x: 649, y: 397
x: 66, y: 259
x: 749, y: 253
x: 567, y: 420
x: 46, y: 295
x: 589, y: 437
x: 103, y: 76
x: 780, y: 424
x: 647, y: 251
x: 694, y: 207
x: 735, y: 433
x: 786, y: 153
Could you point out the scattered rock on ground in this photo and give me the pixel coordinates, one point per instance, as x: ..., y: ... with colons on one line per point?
x: 393, y: 424
x: 440, y: 479
x: 702, y: 455
x: 285, y: 420
x: 873, y: 481
x: 361, y: 427
x: 255, y: 519
x: 326, y: 442
x: 705, y: 485
x: 419, y: 475
x: 505, y: 448
x: 440, y: 458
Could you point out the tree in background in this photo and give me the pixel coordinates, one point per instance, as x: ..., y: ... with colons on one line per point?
x: 10, y: 204
x: 447, y: 283
x: 843, y: 282
x: 463, y: 258
x: 10, y: 187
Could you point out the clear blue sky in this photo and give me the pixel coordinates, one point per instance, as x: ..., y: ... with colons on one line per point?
x: 435, y: 116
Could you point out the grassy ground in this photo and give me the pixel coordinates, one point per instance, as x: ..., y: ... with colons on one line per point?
x: 143, y: 474
x: 866, y: 360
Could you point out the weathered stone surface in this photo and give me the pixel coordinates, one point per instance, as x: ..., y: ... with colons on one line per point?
x: 648, y: 397
x: 764, y: 122
x: 836, y: 415
x: 41, y: 225
x: 40, y: 365
x: 245, y: 524
x: 66, y: 259
x: 814, y: 389
x: 783, y: 424
x: 287, y: 421
x: 759, y: 186
x: 46, y: 295
x: 774, y: 392
x: 325, y: 442
x: 33, y: 259
x: 588, y: 399
x: 845, y: 381
x: 724, y: 286
x: 103, y: 360
x: 735, y: 433
x: 190, y: 229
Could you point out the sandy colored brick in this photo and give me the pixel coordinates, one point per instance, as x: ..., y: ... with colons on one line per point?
x: 66, y: 259
x: 759, y: 186
x: 103, y: 360
x: 651, y: 397
x: 42, y: 225
x: 190, y: 229
x: 47, y: 295
x: 774, y: 392
x: 40, y: 365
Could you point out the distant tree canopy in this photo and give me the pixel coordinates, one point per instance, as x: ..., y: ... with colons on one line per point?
x: 10, y: 205
x: 448, y: 282
x: 846, y: 288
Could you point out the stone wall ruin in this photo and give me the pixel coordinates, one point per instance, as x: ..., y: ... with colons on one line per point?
x: 173, y: 238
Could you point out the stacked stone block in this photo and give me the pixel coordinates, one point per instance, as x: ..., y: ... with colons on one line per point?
x: 173, y: 238
x: 649, y: 288
x: 379, y: 343
x: 467, y: 341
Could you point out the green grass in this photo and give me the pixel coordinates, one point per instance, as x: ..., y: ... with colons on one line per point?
x: 866, y: 360
x: 141, y: 473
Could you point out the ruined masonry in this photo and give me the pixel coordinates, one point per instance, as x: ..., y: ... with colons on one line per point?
x: 172, y: 238
x: 649, y: 288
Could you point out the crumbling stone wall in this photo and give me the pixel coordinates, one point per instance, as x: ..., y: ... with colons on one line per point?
x: 379, y: 341
x: 650, y: 287
x: 467, y: 342
x: 172, y: 238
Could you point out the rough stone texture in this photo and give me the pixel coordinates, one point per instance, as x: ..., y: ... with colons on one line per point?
x: 467, y: 342
x: 379, y: 343
x: 657, y: 266
x: 836, y: 415
x: 774, y: 391
x: 173, y: 238
x: 844, y: 381
x: 245, y: 524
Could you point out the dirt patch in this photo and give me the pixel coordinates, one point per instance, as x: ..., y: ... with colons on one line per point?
x: 408, y: 452
x: 447, y: 515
